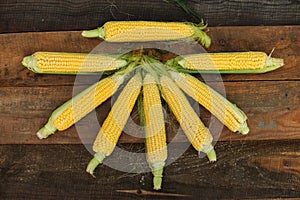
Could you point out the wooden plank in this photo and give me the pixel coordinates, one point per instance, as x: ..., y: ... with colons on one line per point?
x: 243, y: 13
x: 16, y: 46
x: 285, y: 41
x: 265, y: 169
x: 273, y: 109
x: 33, y: 15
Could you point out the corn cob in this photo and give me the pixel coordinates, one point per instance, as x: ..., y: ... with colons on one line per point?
x: 189, y: 121
x: 71, y: 63
x: 113, y: 125
x: 140, y: 31
x: 80, y: 105
x: 234, y: 62
x: 156, y: 144
x: 231, y: 116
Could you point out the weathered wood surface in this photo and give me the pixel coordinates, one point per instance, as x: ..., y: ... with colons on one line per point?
x: 265, y: 169
x: 263, y: 164
x: 15, y: 46
x: 27, y: 99
x: 273, y: 109
x: 33, y: 15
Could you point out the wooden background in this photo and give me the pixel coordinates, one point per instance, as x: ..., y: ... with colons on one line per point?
x: 263, y: 164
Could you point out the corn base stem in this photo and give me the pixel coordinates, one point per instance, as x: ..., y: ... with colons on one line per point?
x: 47, y: 130
x: 26, y: 60
x: 97, y: 160
x: 90, y: 33
x: 210, y: 153
x: 157, y: 171
x: 31, y: 63
x: 94, y: 33
x: 212, y: 156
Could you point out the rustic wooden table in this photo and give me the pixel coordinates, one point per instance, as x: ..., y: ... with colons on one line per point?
x: 263, y: 164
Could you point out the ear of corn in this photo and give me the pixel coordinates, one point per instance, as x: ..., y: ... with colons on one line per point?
x: 80, y: 105
x: 140, y: 31
x: 71, y: 63
x: 113, y: 125
x: 225, y: 111
x: 155, y: 132
x: 230, y: 62
x: 189, y: 121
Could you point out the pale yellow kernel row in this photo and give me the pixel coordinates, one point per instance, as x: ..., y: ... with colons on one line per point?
x: 189, y: 121
x: 156, y: 143
x: 225, y: 61
x: 146, y: 30
x: 113, y: 125
x: 75, y: 62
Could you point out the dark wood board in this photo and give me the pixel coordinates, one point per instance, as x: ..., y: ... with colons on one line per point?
x: 285, y: 40
x: 32, y: 15
x: 264, y: 169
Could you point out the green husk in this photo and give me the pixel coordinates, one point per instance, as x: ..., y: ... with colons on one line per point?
x: 94, y: 162
x: 200, y: 34
x: 94, y: 33
x: 210, y: 153
x: 157, y: 171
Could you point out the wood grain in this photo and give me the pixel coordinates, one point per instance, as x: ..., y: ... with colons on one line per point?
x: 51, y: 15
x: 273, y: 110
x: 15, y: 46
x: 244, y: 169
x: 262, y: 165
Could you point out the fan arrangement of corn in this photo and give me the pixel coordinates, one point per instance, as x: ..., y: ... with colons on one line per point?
x: 149, y: 79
